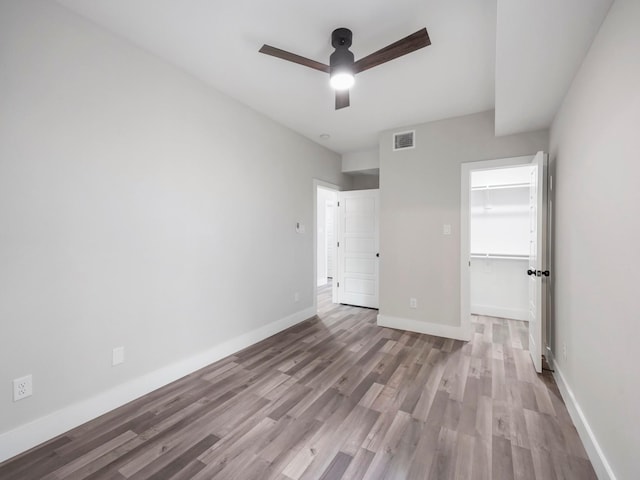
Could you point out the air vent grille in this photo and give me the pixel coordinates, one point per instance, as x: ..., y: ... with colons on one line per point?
x: 404, y: 140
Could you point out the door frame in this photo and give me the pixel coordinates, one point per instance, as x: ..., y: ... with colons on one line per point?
x: 320, y: 184
x: 465, y: 226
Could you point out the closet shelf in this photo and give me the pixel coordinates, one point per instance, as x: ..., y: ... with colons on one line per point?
x: 501, y: 187
x: 501, y: 256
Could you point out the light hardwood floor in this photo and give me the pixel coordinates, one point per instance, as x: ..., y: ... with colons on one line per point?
x: 336, y: 397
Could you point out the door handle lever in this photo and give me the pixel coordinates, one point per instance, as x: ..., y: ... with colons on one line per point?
x: 538, y: 273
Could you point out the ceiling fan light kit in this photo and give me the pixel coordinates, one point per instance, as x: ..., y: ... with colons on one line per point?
x: 342, y: 65
x: 342, y: 81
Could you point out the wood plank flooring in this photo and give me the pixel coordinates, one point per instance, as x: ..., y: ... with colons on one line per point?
x: 336, y: 397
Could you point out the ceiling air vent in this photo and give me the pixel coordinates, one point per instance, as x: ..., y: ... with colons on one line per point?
x: 404, y: 140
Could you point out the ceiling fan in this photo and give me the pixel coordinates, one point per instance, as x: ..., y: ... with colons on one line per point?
x: 342, y: 66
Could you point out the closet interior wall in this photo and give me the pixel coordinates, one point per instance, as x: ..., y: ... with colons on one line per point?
x: 500, y: 242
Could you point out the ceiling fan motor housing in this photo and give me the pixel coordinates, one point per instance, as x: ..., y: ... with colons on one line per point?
x: 342, y: 59
x: 341, y: 37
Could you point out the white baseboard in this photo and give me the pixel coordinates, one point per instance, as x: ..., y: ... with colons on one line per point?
x: 591, y: 445
x: 439, y: 330
x: 493, y: 311
x: 29, y: 435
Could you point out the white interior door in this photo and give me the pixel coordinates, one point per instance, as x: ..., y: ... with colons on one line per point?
x: 537, y: 270
x: 358, y: 227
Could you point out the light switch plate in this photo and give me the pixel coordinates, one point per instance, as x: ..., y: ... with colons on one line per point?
x: 118, y: 356
x: 446, y: 229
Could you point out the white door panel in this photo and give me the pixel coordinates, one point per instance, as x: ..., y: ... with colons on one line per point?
x: 361, y: 206
x: 360, y: 265
x: 358, y: 228
x: 360, y: 224
x: 359, y: 286
x: 537, y: 256
x: 359, y: 245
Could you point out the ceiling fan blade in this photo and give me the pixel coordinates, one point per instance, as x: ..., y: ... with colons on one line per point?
x: 397, y: 49
x: 292, y: 57
x: 342, y: 99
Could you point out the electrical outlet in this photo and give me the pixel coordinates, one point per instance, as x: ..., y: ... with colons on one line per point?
x: 564, y: 351
x: 22, y: 387
x: 296, y: 297
x: 413, y: 303
x: 446, y: 229
x: 118, y: 356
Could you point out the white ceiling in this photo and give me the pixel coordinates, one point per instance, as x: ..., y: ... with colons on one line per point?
x: 218, y: 42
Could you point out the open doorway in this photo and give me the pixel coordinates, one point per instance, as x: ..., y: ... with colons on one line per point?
x: 326, y: 232
x: 499, y: 242
x: 504, y: 249
x: 325, y: 263
x: 346, y: 246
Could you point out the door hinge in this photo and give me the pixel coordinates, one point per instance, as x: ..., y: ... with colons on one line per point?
x: 338, y: 243
x: 338, y: 285
x: 338, y: 203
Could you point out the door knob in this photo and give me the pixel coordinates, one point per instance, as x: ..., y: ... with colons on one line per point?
x: 531, y: 272
x: 377, y: 255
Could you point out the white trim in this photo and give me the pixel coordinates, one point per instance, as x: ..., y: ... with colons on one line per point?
x: 45, y: 428
x: 437, y: 329
x: 591, y: 445
x: 502, y: 312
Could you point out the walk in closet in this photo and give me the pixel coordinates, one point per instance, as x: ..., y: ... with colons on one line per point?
x: 500, y: 242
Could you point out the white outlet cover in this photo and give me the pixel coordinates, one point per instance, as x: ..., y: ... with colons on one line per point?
x: 446, y: 229
x: 22, y: 387
x: 413, y: 303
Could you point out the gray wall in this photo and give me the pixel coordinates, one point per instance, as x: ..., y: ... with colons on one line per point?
x: 138, y: 207
x: 361, y: 160
x: 419, y: 192
x: 595, y: 145
x: 365, y: 182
